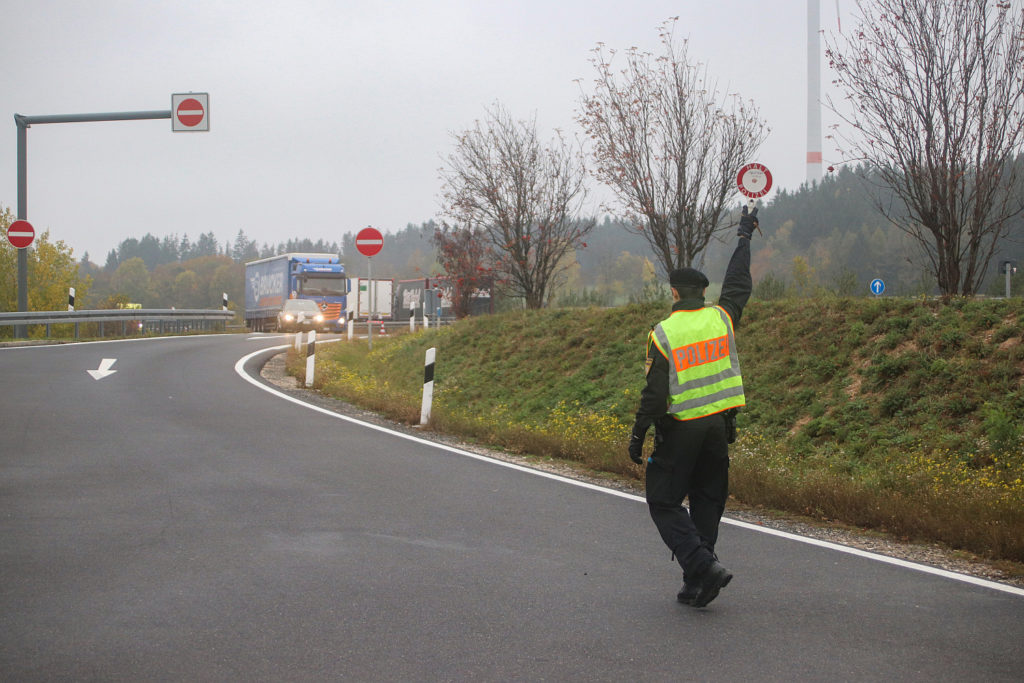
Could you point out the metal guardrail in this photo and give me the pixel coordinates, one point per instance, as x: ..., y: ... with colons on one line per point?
x: 156, y: 318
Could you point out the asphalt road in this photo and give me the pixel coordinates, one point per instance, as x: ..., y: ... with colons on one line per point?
x: 174, y: 521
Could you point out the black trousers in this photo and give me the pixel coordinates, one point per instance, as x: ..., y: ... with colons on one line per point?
x: 690, y: 459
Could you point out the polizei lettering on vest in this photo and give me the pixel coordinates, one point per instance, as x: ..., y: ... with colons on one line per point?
x: 700, y: 353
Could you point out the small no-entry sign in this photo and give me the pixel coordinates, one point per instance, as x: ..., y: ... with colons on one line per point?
x: 369, y: 241
x: 190, y: 112
x: 20, y: 234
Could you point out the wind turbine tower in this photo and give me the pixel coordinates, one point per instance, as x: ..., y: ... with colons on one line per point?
x: 813, y: 91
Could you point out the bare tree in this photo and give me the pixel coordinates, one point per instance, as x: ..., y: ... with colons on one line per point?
x: 524, y: 195
x: 935, y: 109
x: 668, y: 145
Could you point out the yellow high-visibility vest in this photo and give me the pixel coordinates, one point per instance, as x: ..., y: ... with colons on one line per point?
x: 704, y: 368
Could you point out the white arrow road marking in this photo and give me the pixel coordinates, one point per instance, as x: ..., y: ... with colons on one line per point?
x: 104, y: 369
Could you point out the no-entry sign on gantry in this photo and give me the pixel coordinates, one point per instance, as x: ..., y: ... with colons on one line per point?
x: 190, y: 112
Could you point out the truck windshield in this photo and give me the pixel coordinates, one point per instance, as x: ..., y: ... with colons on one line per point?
x: 319, y: 285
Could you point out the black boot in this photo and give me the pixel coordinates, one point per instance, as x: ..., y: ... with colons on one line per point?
x: 688, y: 593
x: 711, y: 581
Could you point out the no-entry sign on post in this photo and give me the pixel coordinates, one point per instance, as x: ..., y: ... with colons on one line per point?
x: 369, y: 241
x: 190, y: 112
x: 20, y: 234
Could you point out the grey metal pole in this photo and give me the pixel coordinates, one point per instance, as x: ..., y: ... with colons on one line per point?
x: 21, y: 331
x: 23, y: 122
x: 89, y: 118
x: 22, y: 125
x: 1008, y: 269
x: 369, y: 293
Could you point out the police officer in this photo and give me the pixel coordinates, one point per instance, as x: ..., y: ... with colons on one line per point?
x: 693, y: 390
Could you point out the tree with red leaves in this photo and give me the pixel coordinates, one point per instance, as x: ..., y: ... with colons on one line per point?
x: 463, y: 253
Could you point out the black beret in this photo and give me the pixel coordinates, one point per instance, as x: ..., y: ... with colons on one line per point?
x: 687, y: 277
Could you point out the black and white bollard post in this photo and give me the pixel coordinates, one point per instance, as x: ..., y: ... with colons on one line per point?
x: 310, y: 355
x: 225, y: 300
x: 71, y: 298
x: 412, y: 319
x: 298, y: 341
x: 428, y: 385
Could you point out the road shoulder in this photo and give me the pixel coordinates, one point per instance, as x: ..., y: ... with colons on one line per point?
x: 932, y: 555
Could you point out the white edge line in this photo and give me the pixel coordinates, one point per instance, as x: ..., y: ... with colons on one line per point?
x: 60, y: 345
x: 964, y: 578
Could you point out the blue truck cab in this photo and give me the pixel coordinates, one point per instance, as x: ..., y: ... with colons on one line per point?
x: 271, y: 281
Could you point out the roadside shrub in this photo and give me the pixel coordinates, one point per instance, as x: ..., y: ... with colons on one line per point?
x: 886, y: 368
x: 951, y: 340
x: 1002, y: 430
x: 770, y: 288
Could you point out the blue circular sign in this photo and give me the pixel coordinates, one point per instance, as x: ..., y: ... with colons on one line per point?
x: 877, y: 286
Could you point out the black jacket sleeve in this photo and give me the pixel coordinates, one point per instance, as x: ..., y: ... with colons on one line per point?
x: 654, y: 396
x: 737, y: 285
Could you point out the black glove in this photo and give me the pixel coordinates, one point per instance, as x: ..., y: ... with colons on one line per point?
x: 636, y: 449
x: 748, y: 222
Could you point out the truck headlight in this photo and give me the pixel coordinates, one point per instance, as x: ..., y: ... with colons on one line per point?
x: 288, y: 317
x: 319, y: 318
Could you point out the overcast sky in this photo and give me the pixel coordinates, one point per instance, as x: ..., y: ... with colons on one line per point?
x: 327, y: 116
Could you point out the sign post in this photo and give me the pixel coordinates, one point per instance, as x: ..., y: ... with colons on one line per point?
x: 369, y: 242
x: 1008, y: 268
x: 21, y: 234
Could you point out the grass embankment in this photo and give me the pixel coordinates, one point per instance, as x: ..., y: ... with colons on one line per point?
x: 900, y: 415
